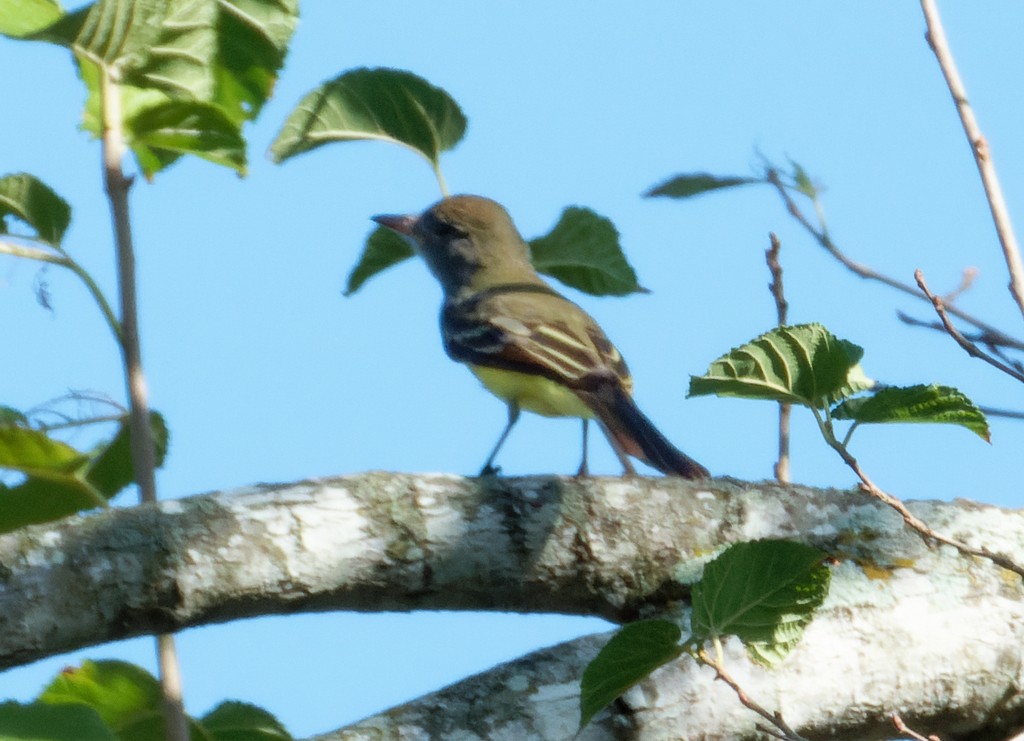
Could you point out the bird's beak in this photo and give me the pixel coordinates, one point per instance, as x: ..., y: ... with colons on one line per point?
x: 402, y: 224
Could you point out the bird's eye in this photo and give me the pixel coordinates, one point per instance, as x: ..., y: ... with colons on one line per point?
x: 448, y: 230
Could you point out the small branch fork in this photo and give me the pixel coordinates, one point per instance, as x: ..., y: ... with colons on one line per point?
x: 972, y: 349
x: 936, y: 37
x: 782, y: 473
x: 821, y: 236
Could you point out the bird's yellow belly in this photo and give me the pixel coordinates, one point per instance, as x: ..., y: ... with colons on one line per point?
x: 532, y: 393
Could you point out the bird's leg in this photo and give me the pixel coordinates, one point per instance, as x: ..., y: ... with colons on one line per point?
x: 513, y: 417
x: 584, y: 470
x: 627, y: 466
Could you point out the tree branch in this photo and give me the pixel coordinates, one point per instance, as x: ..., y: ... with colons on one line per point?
x: 946, y: 630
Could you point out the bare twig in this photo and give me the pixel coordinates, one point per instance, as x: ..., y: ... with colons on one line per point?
x: 979, y: 147
x: 782, y: 311
x: 117, y: 186
x: 784, y: 731
x: 821, y: 236
x: 911, y: 520
x: 901, y: 727
x: 973, y: 350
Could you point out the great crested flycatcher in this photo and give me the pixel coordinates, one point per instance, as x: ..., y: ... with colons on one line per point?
x: 528, y: 344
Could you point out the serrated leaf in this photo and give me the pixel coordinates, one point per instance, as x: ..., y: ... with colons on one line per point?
x: 694, y: 184
x: 803, y: 364
x: 582, y: 251
x: 765, y: 592
x: 22, y: 18
x: 120, y: 692
x: 187, y: 127
x: 29, y: 199
x: 239, y: 721
x: 42, y: 722
x: 380, y: 104
x: 922, y: 403
x: 383, y: 249
x: 85, y: 486
x: 633, y: 652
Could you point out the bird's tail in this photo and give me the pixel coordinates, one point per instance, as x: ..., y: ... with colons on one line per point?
x: 631, y: 432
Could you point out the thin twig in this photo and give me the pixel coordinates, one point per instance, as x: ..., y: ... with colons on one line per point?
x: 973, y: 350
x: 863, y: 271
x: 140, y: 434
x: 910, y: 733
x: 979, y: 148
x: 911, y: 520
x: 967, y: 279
x: 774, y: 718
x: 781, y: 311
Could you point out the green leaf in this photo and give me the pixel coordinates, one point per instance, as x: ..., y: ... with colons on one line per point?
x: 694, y: 184
x: 120, y: 692
x: 922, y: 403
x: 239, y: 721
x: 765, y: 592
x: 803, y: 364
x: 42, y: 722
x: 118, y: 33
x: 111, y: 469
x: 48, y: 498
x: 803, y: 181
x: 582, y: 251
x: 254, y: 37
x: 34, y: 453
x: 381, y: 104
x: 187, y: 127
x: 29, y: 199
x: 23, y: 18
x: 383, y: 249
x: 633, y: 652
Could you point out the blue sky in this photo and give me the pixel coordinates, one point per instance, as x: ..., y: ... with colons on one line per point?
x: 266, y: 373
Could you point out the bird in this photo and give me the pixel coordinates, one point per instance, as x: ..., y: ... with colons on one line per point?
x: 528, y: 344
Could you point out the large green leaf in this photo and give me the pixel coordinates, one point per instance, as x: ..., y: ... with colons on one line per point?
x: 803, y: 364
x: 380, y: 104
x: 23, y: 18
x: 694, y: 184
x: 383, y: 249
x: 42, y: 722
x: 239, y: 721
x: 922, y: 403
x: 582, y: 251
x: 27, y: 198
x: 633, y: 652
x: 89, y: 480
x: 764, y: 592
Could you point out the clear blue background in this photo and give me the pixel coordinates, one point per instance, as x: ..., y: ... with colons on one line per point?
x: 266, y: 373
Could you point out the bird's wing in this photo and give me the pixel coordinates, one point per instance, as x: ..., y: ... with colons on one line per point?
x: 535, y: 331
